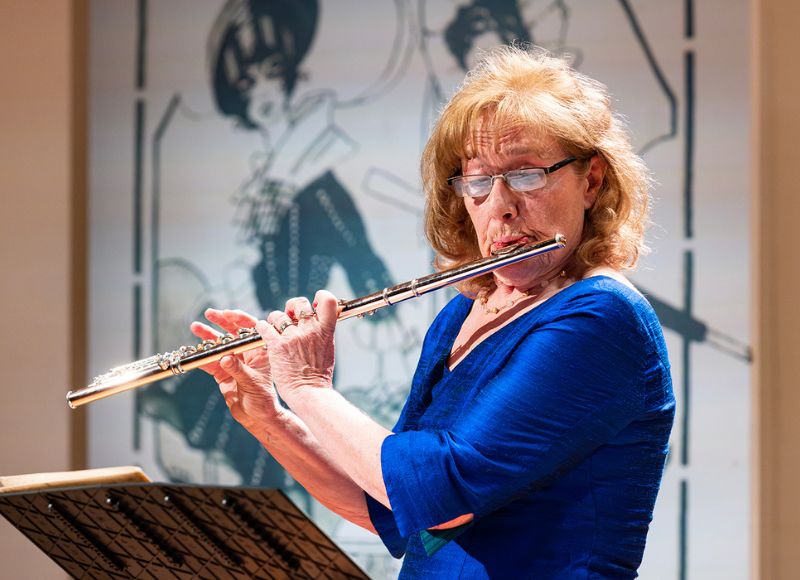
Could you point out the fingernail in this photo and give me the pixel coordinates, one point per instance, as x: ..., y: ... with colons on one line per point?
x: 226, y: 362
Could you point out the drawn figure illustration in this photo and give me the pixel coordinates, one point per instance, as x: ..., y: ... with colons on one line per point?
x: 293, y: 210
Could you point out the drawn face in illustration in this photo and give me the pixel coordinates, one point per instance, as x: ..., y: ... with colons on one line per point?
x: 255, y: 51
x: 482, y: 24
x: 452, y: 37
x: 267, y: 101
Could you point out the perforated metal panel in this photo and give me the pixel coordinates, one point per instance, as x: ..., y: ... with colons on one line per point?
x: 176, y: 531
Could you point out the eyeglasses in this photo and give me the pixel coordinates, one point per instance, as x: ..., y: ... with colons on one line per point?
x: 520, y: 180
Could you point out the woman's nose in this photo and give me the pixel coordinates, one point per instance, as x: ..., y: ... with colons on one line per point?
x: 502, y: 201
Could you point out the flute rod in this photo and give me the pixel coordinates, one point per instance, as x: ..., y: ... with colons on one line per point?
x: 186, y: 358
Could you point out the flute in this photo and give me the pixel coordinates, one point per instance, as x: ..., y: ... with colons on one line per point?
x: 160, y: 366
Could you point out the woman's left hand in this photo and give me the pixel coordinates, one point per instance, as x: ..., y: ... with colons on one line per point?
x: 300, y: 343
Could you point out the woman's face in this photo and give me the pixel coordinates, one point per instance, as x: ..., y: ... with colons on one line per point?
x: 506, y: 217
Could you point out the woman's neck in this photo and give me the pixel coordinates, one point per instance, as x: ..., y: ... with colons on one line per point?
x: 505, y: 296
x: 504, y: 289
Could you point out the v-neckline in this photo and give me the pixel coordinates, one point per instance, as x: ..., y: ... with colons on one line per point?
x: 467, y: 308
x: 485, y: 339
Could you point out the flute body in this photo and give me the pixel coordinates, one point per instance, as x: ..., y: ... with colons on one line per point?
x: 186, y: 358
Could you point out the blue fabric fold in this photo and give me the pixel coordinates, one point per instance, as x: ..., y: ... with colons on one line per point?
x: 383, y: 520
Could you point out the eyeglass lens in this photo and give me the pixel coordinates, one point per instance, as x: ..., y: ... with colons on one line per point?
x: 520, y: 180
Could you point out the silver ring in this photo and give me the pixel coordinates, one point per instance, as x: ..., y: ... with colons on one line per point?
x: 283, y: 326
x: 305, y: 315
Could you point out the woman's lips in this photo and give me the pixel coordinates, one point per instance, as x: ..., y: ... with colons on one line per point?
x: 510, y: 240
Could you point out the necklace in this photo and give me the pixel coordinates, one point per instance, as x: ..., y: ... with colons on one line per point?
x: 526, y: 294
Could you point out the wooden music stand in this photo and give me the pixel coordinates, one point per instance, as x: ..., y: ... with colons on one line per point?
x: 150, y: 530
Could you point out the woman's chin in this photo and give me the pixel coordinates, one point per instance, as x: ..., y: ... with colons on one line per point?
x: 518, y: 275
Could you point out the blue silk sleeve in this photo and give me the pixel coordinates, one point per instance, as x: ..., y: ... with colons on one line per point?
x: 385, y: 525
x: 568, y: 388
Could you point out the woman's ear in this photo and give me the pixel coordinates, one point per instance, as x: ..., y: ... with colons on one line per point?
x: 594, y: 179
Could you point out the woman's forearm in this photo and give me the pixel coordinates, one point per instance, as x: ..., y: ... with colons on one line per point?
x: 295, y: 447
x: 351, y: 439
x: 300, y: 343
x: 333, y: 421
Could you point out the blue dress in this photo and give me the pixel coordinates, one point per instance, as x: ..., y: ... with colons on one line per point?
x: 553, y: 432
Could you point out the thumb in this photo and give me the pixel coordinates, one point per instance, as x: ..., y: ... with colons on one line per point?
x: 240, y: 372
x: 327, y: 308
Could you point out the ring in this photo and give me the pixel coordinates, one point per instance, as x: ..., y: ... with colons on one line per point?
x: 283, y: 325
x: 305, y: 315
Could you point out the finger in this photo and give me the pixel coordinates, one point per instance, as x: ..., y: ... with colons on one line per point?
x: 218, y: 317
x: 280, y: 320
x: 267, y: 331
x: 300, y: 309
x: 244, y: 376
x: 230, y: 320
x: 212, y: 314
x: 273, y: 316
x: 204, y: 331
x: 236, y: 319
x: 327, y: 309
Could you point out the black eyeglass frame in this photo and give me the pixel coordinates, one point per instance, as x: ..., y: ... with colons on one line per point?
x: 546, y: 170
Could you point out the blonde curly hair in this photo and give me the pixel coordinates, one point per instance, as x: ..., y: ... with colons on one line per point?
x: 528, y: 88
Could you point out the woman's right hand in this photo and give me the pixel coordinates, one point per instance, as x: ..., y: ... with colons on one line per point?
x: 244, y: 380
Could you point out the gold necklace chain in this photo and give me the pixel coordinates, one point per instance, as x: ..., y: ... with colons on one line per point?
x: 526, y: 294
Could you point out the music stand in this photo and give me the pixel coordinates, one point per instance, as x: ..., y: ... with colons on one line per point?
x: 150, y: 530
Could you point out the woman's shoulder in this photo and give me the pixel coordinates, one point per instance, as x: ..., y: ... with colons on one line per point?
x: 609, y: 289
x: 611, y: 301
x: 609, y: 315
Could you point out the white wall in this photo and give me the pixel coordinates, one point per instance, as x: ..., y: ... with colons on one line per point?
x: 36, y: 185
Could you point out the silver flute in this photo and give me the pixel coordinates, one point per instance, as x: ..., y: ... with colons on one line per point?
x: 160, y: 366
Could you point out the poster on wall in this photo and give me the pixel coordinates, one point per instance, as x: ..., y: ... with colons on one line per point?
x: 247, y: 151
